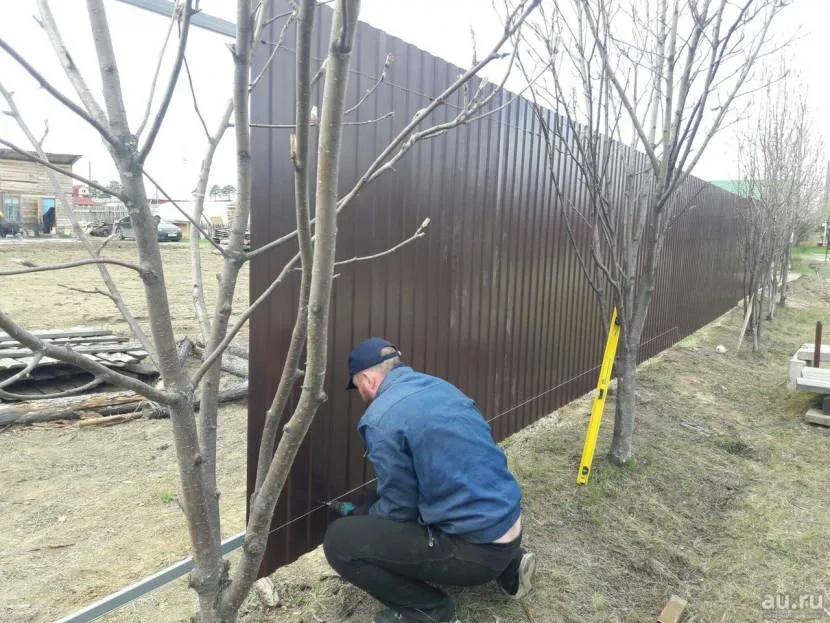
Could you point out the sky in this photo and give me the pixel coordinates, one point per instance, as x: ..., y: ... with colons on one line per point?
x: 442, y: 27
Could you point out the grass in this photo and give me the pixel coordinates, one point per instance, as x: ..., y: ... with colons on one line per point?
x: 725, y: 505
x: 167, y: 497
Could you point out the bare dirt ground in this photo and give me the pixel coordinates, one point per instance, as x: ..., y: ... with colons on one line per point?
x: 85, y: 512
x: 726, y: 505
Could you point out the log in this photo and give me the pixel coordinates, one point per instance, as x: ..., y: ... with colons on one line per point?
x: 237, y: 350
x: 105, y: 404
x: 230, y: 363
x: 232, y: 394
x: 63, y: 408
x: 108, y: 420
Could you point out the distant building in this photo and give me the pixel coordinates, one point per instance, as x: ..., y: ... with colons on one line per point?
x: 27, y: 196
x: 90, y: 211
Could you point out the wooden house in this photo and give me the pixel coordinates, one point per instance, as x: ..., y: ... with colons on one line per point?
x: 27, y: 196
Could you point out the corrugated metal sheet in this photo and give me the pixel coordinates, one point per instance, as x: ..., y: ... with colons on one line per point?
x: 491, y: 299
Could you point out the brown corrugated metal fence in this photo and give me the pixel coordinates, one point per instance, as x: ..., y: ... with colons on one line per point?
x: 491, y: 299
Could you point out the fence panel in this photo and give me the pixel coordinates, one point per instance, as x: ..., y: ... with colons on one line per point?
x: 491, y: 299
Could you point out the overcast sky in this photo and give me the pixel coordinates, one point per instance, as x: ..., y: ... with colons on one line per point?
x: 176, y: 157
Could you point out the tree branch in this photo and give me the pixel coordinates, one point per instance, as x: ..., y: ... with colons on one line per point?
x: 419, y: 233
x: 344, y: 25
x: 184, y: 213
x: 92, y: 291
x: 387, y: 63
x: 24, y: 373
x: 31, y: 268
x: 195, y: 248
x: 276, y: 49
x: 291, y: 126
x: 193, y: 97
x: 514, y: 22
x: 100, y: 127
x: 173, y: 19
x: 171, y: 85
x: 110, y: 81
x: 299, y: 158
x: 48, y: 23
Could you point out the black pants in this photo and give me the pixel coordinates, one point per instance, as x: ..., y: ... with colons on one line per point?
x: 398, y: 563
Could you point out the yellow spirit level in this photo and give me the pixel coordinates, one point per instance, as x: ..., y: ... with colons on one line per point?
x: 599, y: 401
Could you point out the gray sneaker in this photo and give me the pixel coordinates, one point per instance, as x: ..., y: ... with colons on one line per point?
x: 518, y: 587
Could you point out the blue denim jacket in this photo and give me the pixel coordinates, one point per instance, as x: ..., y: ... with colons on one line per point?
x: 435, y: 459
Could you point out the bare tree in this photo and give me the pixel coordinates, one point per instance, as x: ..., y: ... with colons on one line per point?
x: 645, y: 85
x: 780, y: 159
x: 220, y: 591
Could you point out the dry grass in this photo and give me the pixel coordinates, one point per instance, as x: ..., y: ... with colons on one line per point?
x: 726, y: 503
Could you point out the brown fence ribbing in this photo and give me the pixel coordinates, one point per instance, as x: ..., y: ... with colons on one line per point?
x: 492, y: 298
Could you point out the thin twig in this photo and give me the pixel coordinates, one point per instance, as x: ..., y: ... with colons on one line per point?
x: 419, y: 233
x: 173, y: 19
x: 276, y: 49
x: 193, y: 97
x: 92, y: 291
x: 387, y: 63
x: 171, y: 85
x: 211, y: 359
x: 291, y: 126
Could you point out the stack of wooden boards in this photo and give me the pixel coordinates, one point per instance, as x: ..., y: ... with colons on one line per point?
x: 51, y: 376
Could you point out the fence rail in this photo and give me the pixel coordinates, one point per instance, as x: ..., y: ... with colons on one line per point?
x: 492, y: 298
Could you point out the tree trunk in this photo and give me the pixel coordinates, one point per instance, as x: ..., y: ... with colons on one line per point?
x: 773, y: 291
x: 785, y: 276
x: 622, y: 447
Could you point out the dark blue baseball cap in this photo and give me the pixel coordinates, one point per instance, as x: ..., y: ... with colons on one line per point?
x: 367, y: 354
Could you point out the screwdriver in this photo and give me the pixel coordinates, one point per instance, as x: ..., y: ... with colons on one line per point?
x: 344, y: 509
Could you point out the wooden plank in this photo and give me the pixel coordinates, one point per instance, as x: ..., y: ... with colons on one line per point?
x: 7, y: 363
x: 816, y: 416
x: 673, y: 610
x: 91, y: 348
x: 109, y: 337
x: 70, y: 332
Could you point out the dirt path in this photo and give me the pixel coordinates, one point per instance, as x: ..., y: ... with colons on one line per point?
x: 726, y: 505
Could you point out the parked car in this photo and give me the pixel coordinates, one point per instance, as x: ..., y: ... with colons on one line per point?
x: 166, y: 231
x: 100, y: 229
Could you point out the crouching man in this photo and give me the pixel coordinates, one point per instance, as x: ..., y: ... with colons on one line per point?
x: 447, y: 511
